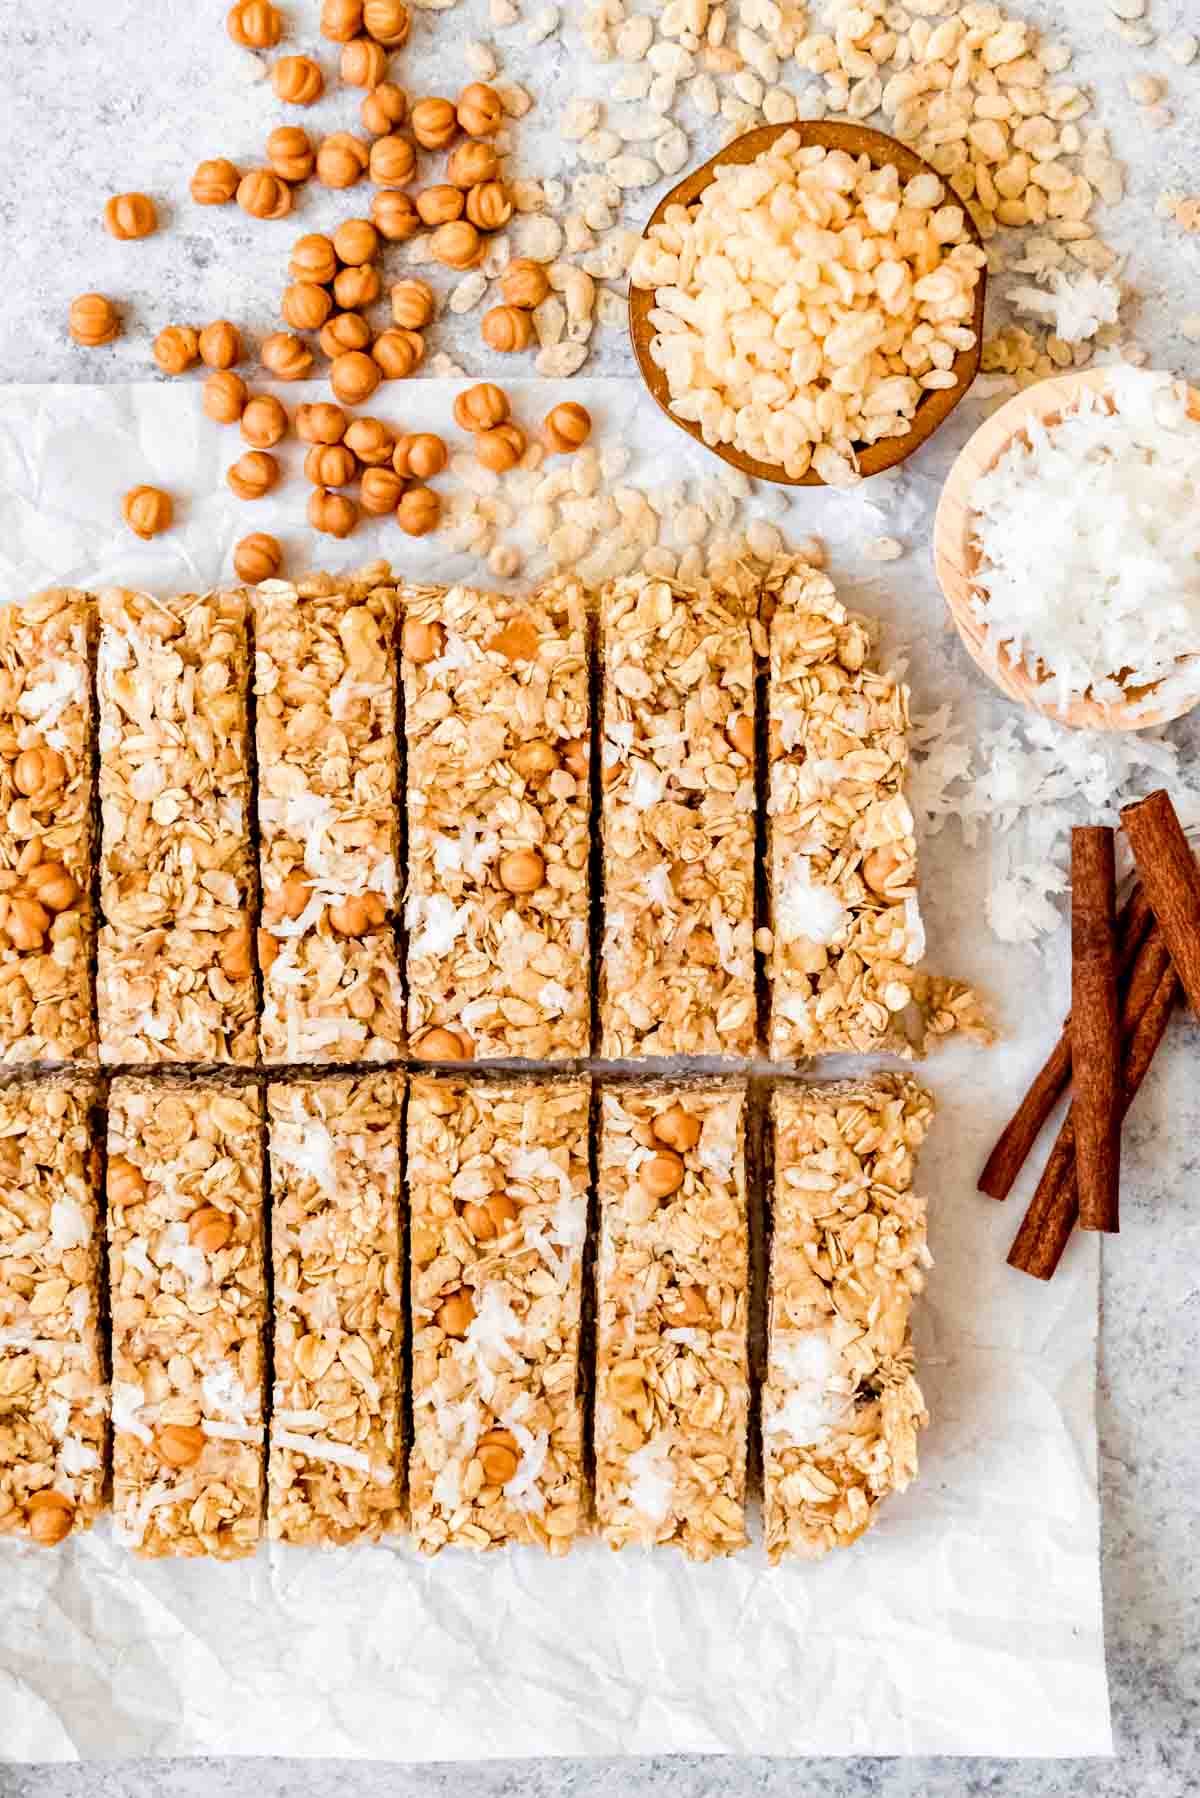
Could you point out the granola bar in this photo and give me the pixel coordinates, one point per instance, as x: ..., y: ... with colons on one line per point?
x: 498, y: 1179
x: 496, y: 715
x: 336, y: 1454
x: 325, y: 682
x: 187, y: 1283
x: 841, y: 1408
x: 53, y: 1393
x: 846, y: 928
x: 677, y: 976
x: 672, y: 1377
x: 47, y: 745
x: 174, y: 978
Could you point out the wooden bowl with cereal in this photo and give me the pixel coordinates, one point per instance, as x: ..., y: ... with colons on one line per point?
x: 927, y: 375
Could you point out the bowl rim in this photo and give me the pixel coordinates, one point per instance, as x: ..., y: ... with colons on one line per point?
x: 955, y: 557
x: 856, y: 140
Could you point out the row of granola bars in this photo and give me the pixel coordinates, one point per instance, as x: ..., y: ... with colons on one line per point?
x: 249, y: 868
x: 213, y: 1449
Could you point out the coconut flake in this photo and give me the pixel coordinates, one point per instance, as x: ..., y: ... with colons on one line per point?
x: 127, y: 1401
x: 76, y: 1456
x: 232, y: 1432
x: 652, y: 1478
x: 69, y: 1226
x: 806, y: 1363
x: 308, y: 1147
x: 1026, y: 782
x: 554, y: 998
x: 316, y: 1448
x: 522, y: 1490
x: 806, y: 909
x: 45, y: 702
x: 646, y: 787
x: 718, y: 1140
x: 223, y: 1392
x: 536, y: 1165
x: 1077, y: 305
x: 436, y: 923
x: 495, y: 1326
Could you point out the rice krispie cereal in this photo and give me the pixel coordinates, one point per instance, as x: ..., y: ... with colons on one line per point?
x: 336, y: 1455
x: 175, y: 978
x: 496, y: 715
x: 188, y: 1296
x: 677, y: 976
x: 53, y: 1392
x: 498, y: 1183
x: 808, y: 301
x: 328, y: 761
x: 846, y: 930
x: 841, y: 1408
x: 47, y: 742
x: 672, y: 1375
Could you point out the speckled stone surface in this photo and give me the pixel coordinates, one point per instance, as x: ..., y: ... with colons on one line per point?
x: 131, y: 93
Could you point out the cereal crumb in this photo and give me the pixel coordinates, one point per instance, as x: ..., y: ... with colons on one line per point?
x: 1147, y: 90
x: 884, y: 549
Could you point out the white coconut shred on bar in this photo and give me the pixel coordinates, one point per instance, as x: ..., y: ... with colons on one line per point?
x: 1089, y: 537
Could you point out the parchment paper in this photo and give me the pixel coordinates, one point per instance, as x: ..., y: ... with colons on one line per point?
x: 967, y: 1622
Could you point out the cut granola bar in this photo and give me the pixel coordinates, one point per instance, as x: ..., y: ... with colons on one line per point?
x: 497, y: 1179
x: 496, y: 715
x: 677, y: 976
x: 336, y: 1454
x: 672, y: 1379
x: 47, y: 745
x: 53, y: 1393
x: 185, y: 1235
x: 174, y: 979
x: 841, y: 1408
x: 846, y: 928
x: 325, y: 682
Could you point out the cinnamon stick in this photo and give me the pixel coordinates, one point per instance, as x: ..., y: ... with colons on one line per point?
x: 1172, y: 881
x: 1046, y: 1227
x: 1095, y: 1026
x: 1016, y: 1140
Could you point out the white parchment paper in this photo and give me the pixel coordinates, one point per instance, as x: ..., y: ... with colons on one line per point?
x: 967, y: 1622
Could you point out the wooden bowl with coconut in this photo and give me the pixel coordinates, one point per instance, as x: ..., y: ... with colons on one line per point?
x: 1067, y: 545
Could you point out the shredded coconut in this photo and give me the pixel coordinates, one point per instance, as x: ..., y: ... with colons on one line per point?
x: 308, y: 1147
x: 1089, y: 539
x: 69, y: 1225
x: 651, y: 1479
x: 806, y: 1363
x: 1028, y: 781
x: 805, y: 908
x: 1076, y: 306
x: 319, y: 1449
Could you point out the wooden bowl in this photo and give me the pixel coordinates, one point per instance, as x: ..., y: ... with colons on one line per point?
x: 856, y: 140
x: 956, y: 555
